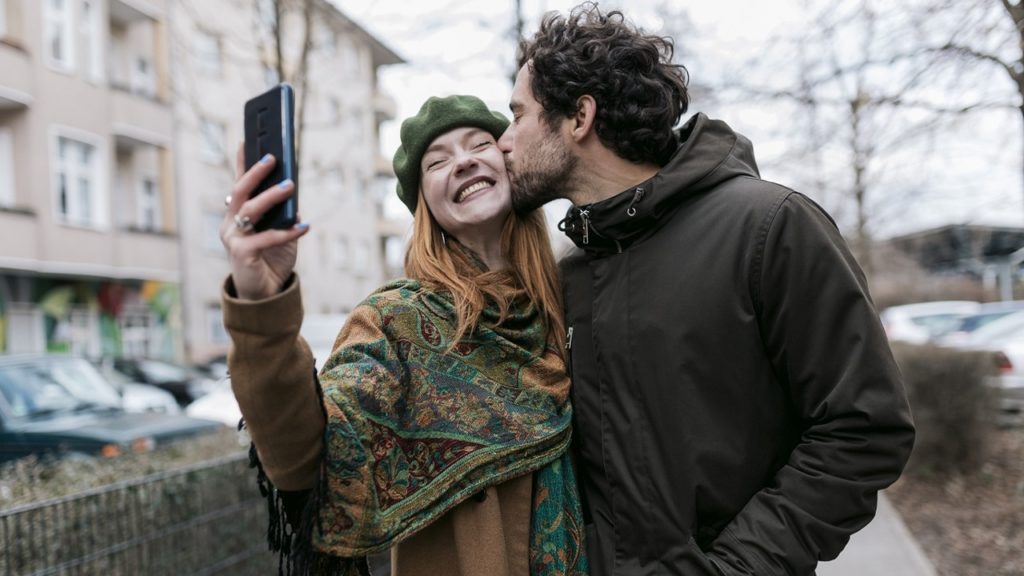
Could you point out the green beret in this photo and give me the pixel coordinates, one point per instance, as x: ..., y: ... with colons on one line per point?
x: 437, y: 116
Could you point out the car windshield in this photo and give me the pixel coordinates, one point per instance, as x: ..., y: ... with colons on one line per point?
x: 937, y: 324
x: 162, y: 372
x: 46, y: 386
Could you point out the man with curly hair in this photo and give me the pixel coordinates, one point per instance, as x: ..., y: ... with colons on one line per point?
x: 737, y: 404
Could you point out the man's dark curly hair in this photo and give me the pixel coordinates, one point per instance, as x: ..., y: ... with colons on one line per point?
x: 640, y: 93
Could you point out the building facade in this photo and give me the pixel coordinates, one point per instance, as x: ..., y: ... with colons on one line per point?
x: 119, y: 121
x: 225, y: 52
x: 89, y: 251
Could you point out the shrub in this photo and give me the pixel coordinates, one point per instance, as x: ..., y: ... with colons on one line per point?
x: 952, y: 406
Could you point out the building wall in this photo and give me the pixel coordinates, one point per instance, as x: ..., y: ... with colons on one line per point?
x: 41, y: 249
x: 340, y: 260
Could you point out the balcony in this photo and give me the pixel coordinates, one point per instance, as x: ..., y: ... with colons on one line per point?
x: 140, y: 120
x: 384, y: 107
x: 15, y: 82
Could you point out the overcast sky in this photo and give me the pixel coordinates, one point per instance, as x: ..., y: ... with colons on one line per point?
x: 465, y: 46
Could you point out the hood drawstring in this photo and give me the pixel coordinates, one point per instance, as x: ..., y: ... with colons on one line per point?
x: 638, y: 195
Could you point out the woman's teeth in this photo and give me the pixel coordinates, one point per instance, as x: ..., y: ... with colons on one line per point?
x: 469, y: 190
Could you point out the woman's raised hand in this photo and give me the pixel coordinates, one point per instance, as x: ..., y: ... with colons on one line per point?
x: 261, y: 262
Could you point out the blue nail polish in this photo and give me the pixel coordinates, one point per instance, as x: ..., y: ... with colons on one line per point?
x: 266, y: 158
x: 285, y: 183
x: 302, y: 226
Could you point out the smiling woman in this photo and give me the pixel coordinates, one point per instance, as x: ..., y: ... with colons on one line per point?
x: 467, y: 190
x: 441, y: 425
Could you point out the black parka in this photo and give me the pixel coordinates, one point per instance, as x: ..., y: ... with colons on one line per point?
x: 737, y: 404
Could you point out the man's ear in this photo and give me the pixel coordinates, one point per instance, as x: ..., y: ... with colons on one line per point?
x: 583, y: 120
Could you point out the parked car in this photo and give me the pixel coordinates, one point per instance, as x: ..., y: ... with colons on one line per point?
x: 319, y: 330
x: 219, y: 405
x: 61, y: 405
x: 137, y: 397
x: 185, y: 383
x: 925, y: 321
x: 215, y: 368
x: 1004, y: 337
x: 985, y: 315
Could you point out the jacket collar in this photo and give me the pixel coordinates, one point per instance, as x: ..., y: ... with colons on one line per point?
x: 709, y: 153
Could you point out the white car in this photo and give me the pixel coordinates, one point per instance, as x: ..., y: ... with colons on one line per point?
x: 1005, y: 338
x: 319, y: 330
x: 219, y: 404
x: 925, y: 321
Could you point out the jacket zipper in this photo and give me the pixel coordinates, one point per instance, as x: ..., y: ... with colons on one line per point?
x: 638, y: 195
x: 585, y: 216
x: 568, y: 352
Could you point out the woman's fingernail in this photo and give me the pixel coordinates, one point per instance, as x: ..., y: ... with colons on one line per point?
x: 266, y: 158
x: 301, y: 226
x: 285, y: 183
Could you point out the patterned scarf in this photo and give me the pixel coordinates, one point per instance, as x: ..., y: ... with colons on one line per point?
x: 415, y: 426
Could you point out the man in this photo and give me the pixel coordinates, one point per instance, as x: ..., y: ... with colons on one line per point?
x: 737, y: 405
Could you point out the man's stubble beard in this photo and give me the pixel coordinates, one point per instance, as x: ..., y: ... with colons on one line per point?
x: 543, y: 175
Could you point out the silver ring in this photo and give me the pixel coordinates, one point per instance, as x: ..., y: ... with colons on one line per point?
x: 243, y: 223
x: 227, y: 200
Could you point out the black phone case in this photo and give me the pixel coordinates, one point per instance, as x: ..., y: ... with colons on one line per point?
x: 270, y: 129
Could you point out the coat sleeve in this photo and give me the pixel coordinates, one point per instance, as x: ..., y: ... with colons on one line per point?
x: 831, y: 355
x: 271, y: 370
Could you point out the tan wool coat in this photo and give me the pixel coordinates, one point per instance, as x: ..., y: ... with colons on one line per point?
x: 271, y: 370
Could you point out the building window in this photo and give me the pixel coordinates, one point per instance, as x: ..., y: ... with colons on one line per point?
x: 148, y: 205
x: 211, y: 141
x: 207, y: 52
x: 91, y: 38
x: 142, y: 80
x: 361, y: 258
x: 211, y: 232
x: 3, y: 18
x: 335, y: 183
x: 215, y: 331
x: 267, y: 11
x: 341, y: 253
x: 76, y: 175
x: 138, y: 329
x: 270, y: 75
x: 6, y: 167
x: 57, y: 34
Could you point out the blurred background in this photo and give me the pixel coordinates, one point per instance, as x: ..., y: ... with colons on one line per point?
x: 119, y: 122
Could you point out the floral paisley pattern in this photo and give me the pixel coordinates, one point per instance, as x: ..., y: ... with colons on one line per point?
x: 416, y: 425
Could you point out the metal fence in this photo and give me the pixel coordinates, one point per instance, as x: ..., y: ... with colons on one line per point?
x: 204, y: 519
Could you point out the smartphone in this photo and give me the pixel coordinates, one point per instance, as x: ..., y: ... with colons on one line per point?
x: 270, y: 129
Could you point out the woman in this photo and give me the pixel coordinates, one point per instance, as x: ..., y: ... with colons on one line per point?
x: 440, y: 424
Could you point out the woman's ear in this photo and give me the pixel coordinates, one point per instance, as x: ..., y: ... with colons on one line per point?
x: 583, y: 120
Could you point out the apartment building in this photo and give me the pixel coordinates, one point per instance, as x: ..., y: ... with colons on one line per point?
x: 89, y: 234
x: 119, y: 121
x: 225, y: 52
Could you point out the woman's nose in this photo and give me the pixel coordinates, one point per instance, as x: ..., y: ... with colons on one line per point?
x: 464, y: 161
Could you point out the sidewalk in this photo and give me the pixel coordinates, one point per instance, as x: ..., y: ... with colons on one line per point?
x: 884, y: 546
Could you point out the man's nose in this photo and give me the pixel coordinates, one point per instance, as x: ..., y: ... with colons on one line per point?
x: 505, y: 142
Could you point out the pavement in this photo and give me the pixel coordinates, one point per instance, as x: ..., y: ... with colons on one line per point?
x: 884, y: 548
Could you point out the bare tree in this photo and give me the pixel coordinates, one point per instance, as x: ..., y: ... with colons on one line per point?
x: 284, y: 23
x: 863, y: 92
x: 972, y: 38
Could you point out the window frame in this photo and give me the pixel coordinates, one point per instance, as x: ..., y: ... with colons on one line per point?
x: 148, y: 201
x: 90, y: 37
x: 64, y: 21
x: 208, y: 52
x: 8, y: 196
x: 96, y: 214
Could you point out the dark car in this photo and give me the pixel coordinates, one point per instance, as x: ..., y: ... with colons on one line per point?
x: 185, y: 383
x: 61, y: 404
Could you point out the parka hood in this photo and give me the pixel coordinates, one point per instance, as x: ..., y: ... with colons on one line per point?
x: 709, y: 153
